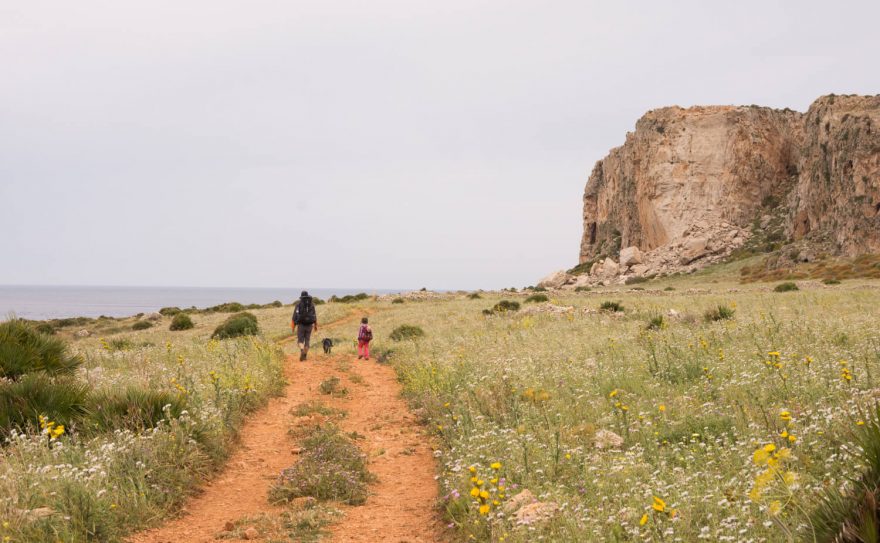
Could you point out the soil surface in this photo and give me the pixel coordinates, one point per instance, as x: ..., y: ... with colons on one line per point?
x: 402, y: 504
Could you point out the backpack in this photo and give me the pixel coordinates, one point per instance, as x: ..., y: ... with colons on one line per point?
x: 305, y: 312
x: 365, y: 333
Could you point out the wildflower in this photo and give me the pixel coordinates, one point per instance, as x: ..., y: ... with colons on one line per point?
x: 643, y: 520
x: 658, y: 505
x: 475, y: 492
x: 785, y: 416
x: 484, y: 509
x: 495, y: 465
x: 661, y: 408
x: 613, y: 393
x: 472, y: 469
x: 775, y: 507
x: 860, y: 423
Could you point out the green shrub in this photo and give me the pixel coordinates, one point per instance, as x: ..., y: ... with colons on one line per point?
x: 228, y: 307
x: 181, y: 321
x: 719, y: 313
x: 44, y: 328
x: 657, y: 323
x: 406, y: 331
x: 504, y: 306
x: 582, y: 289
x: 831, y: 281
x: 73, y: 321
x: 851, y: 516
x: 613, y: 307
x: 331, y: 467
x: 24, y: 350
x: 537, y: 298
x: 22, y: 402
x: 397, y: 301
x: 705, y: 428
x: 331, y: 386
x: 788, y: 286
x: 240, y: 324
x: 318, y: 301
x: 474, y: 296
x: 669, y: 289
x: 169, y: 311
x: 120, y: 344
x: 349, y: 298
x: 141, y: 325
x: 134, y: 408
x: 538, y: 289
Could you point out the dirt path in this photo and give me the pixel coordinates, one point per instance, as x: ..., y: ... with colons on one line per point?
x: 401, y: 507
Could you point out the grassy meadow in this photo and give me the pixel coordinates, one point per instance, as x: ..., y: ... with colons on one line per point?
x: 701, y: 409
x: 654, y: 423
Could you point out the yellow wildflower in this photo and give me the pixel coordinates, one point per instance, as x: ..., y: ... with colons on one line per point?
x: 658, y: 505
x: 495, y: 465
x: 643, y: 520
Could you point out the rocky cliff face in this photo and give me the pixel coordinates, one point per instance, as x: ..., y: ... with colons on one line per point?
x: 689, y: 186
x: 838, y: 189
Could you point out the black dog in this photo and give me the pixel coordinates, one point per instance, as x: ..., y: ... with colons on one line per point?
x: 328, y: 344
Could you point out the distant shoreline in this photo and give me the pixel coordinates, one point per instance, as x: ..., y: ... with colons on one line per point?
x: 50, y: 302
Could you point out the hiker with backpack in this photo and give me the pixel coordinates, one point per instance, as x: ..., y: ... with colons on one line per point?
x: 306, y: 318
x: 365, y: 336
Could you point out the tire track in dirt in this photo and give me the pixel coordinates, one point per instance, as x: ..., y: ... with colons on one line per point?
x: 402, y: 504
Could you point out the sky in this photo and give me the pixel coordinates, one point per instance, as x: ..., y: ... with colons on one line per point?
x: 382, y: 144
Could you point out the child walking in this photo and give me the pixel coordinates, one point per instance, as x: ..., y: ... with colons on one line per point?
x: 365, y: 335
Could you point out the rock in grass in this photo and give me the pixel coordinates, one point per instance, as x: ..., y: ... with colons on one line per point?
x: 606, y: 439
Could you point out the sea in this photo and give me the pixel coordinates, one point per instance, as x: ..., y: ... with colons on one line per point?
x: 51, y: 302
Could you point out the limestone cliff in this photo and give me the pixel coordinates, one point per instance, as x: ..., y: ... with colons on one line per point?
x: 838, y: 189
x: 689, y: 186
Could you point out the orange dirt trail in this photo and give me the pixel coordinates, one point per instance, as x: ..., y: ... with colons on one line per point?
x: 402, y: 504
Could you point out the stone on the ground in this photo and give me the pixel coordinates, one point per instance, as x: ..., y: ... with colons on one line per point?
x: 555, y: 280
x: 536, y: 513
x: 606, y: 439
x: 630, y: 257
x: 513, y: 505
x: 251, y: 534
x: 694, y: 248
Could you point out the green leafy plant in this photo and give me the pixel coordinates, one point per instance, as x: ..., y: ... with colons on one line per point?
x: 240, y: 324
x: 474, y: 296
x: 719, y: 313
x: 656, y: 323
x: 537, y: 298
x: 397, y: 301
x: 405, y: 332
x: 24, y: 350
x: 788, y: 286
x: 613, y: 307
x: 169, y: 311
x: 133, y: 407
x: 141, y: 325
x: 504, y: 306
x: 181, y: 321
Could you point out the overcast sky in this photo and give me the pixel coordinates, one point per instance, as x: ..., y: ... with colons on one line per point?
x: 360, y: 144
